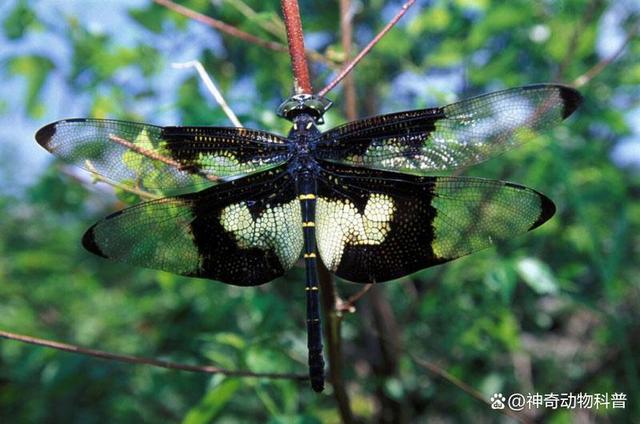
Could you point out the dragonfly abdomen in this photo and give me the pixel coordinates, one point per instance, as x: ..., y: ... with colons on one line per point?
x: 306, y: 188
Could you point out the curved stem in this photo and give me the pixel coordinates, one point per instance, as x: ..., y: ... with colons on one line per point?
x: 600, y: 66
x: 139, y: 360
x: 221, y: 26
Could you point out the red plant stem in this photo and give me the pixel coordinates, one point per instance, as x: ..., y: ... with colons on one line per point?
x: 221, y: 26
x: 207, y: 369
x: 293, y: 24
x: 366, y: 50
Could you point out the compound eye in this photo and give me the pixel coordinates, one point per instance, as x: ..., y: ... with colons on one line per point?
x: 315, y: 104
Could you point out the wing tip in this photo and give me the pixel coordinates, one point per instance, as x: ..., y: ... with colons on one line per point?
x: 571, y: 99
x: 547, y: 210
x: 45, y: 134
x: 89, y: 243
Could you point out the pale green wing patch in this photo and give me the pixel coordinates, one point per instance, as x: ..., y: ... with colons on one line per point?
x: 340, y: 224
x: 162, y: 160
x: 277, y: 228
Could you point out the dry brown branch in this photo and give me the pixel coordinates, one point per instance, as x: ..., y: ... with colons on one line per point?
x: 155, y: 156
x: 222, y: 27
x: 139, y: 360
x: 600, y: 66
x: 332, y: 325
x: 366, y: 50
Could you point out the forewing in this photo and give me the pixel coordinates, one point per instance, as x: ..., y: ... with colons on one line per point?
x: 162, y: 160
x: 244, y: 232
x: 374, y: 226
x: 450, y: 137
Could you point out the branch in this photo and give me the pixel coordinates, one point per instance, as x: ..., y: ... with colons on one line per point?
x: 463, y: 386
x: 600, y: 66
x: 369, y: 46
x: 349, y: 304
x: 138, y: 192
x: 346, y: 20
x: 293, y: 25
x: 222, y: 27
x: 138, y: 360
x: 587, y: 18
x: 212, y: 89
x: 333, y: 321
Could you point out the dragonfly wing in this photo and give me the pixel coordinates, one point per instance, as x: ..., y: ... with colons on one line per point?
x: 244, y: 232
x: 162, y: 160
x: 450, y: 137
x: 374, y: 226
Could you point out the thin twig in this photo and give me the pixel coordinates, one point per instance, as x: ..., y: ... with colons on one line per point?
x: 155, y: 156
x: 600, y: 66
x: 142, y: 193
x: 208, y: 82
x: 207, y: 369
x: 332, y: 325
x: 223, y: 27
x: 366, y: 50
x: 463, y: 386
x: 293, y: 25
x: 349, y: 304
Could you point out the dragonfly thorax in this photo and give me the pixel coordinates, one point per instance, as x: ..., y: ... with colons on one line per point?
x: 304, y: 135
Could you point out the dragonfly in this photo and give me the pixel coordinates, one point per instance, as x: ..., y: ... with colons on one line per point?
x: 241, y: 206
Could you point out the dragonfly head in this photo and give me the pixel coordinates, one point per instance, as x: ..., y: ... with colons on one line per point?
x: 309, y: 104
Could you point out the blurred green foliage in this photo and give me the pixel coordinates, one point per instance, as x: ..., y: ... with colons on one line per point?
x: 555, y: 310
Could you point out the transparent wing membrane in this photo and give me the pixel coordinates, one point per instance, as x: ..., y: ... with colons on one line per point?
x: 450, y: 137
x: 162, y: 160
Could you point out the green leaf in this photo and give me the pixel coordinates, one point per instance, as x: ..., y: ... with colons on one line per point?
x: 18, y: 21
x: 212, y: 403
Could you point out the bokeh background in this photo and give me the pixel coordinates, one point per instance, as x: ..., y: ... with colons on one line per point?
x: 556, y: 310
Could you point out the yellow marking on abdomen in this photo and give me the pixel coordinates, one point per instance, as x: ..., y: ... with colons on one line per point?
x: 310, y: 288
x: 307, y: 196
x: 309, y: 255
x: 308, y: 224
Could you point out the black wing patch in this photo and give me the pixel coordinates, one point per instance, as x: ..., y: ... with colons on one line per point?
x: 450, y: 137
x: 245, y: 232
x: 162, y: 160
x: 374, y: 226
